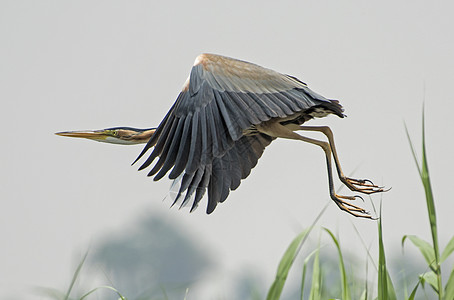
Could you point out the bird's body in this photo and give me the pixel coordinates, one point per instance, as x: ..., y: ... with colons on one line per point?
x: 226, y: 114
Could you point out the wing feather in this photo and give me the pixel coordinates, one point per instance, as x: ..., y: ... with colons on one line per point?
x: 202, y: 187
x: 183, y: 150
x: 212, y: 133
x: 173, y: 150
x: 248, y: 112
x: 236, y: 113
x: 207, y: 141
x: 201, y: 139
x: 254, y: 106
x: 224, y: 139
x: 219, y: 181
x: 233, y: 129
x: 269, y: 111
x: 165, y: 148
x: 283, y: 109
x: 160, y: 143
x: 195, y: 146
x: 185, y: 183
x: 234, y: 167
x: 289, y: 101
x: 198, y: 175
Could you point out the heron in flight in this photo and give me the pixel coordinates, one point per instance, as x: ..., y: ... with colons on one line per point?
x: 226, y: 114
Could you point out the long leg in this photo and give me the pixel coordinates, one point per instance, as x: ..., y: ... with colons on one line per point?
x: 360, y: 185
x: 277, y: 130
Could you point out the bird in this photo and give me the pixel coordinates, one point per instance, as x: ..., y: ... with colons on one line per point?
x: 226, y: 114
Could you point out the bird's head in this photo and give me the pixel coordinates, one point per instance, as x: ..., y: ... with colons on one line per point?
x: 116, y: 135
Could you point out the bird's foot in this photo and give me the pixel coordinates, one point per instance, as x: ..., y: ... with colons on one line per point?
x: 364, y: 186
x: 351, y: 208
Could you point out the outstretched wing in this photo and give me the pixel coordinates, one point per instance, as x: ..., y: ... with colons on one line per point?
x: 222, y: 175
x: 202, y: 136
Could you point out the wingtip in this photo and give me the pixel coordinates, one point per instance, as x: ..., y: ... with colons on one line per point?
x: 211, y: 207
x: 193, y: 208
x: 144, y: 150
x: 132, y: 164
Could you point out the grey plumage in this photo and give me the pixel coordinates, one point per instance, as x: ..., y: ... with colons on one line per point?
x: 208, y: 135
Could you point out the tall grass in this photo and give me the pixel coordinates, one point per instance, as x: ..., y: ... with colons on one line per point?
x: 431, y: 253
x: 385, y: 287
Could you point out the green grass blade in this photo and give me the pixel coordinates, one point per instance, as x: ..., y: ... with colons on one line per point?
x: 369, y: 255
x: 316, y: 286
x: 424, y: 247
x: 391, y: 291
x: 303, y: 278
x: 449, y: 289
x: 431, y: 209
x: 382, y: 280
x: 285, y: 264
x: 385, y: 287
x: 413, y: 292
x: 448, y: 250
x: 75, y: 276
x: 425, y: 178
x: 431, y: 279
x: 366, y: 285
x: 274, y: 293
x: 363, y: 296
x: 186, y: 294
x: 103, y: 287
x: 345, y: 289
x: 412, y: 150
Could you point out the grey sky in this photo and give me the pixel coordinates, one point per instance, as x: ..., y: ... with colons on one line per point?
x: 96, y: 64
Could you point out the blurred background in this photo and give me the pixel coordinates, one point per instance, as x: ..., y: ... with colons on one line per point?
x: 73, y: 65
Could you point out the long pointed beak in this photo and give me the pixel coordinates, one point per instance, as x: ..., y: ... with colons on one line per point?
x: 86, y: 134
x: 115, y: 135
